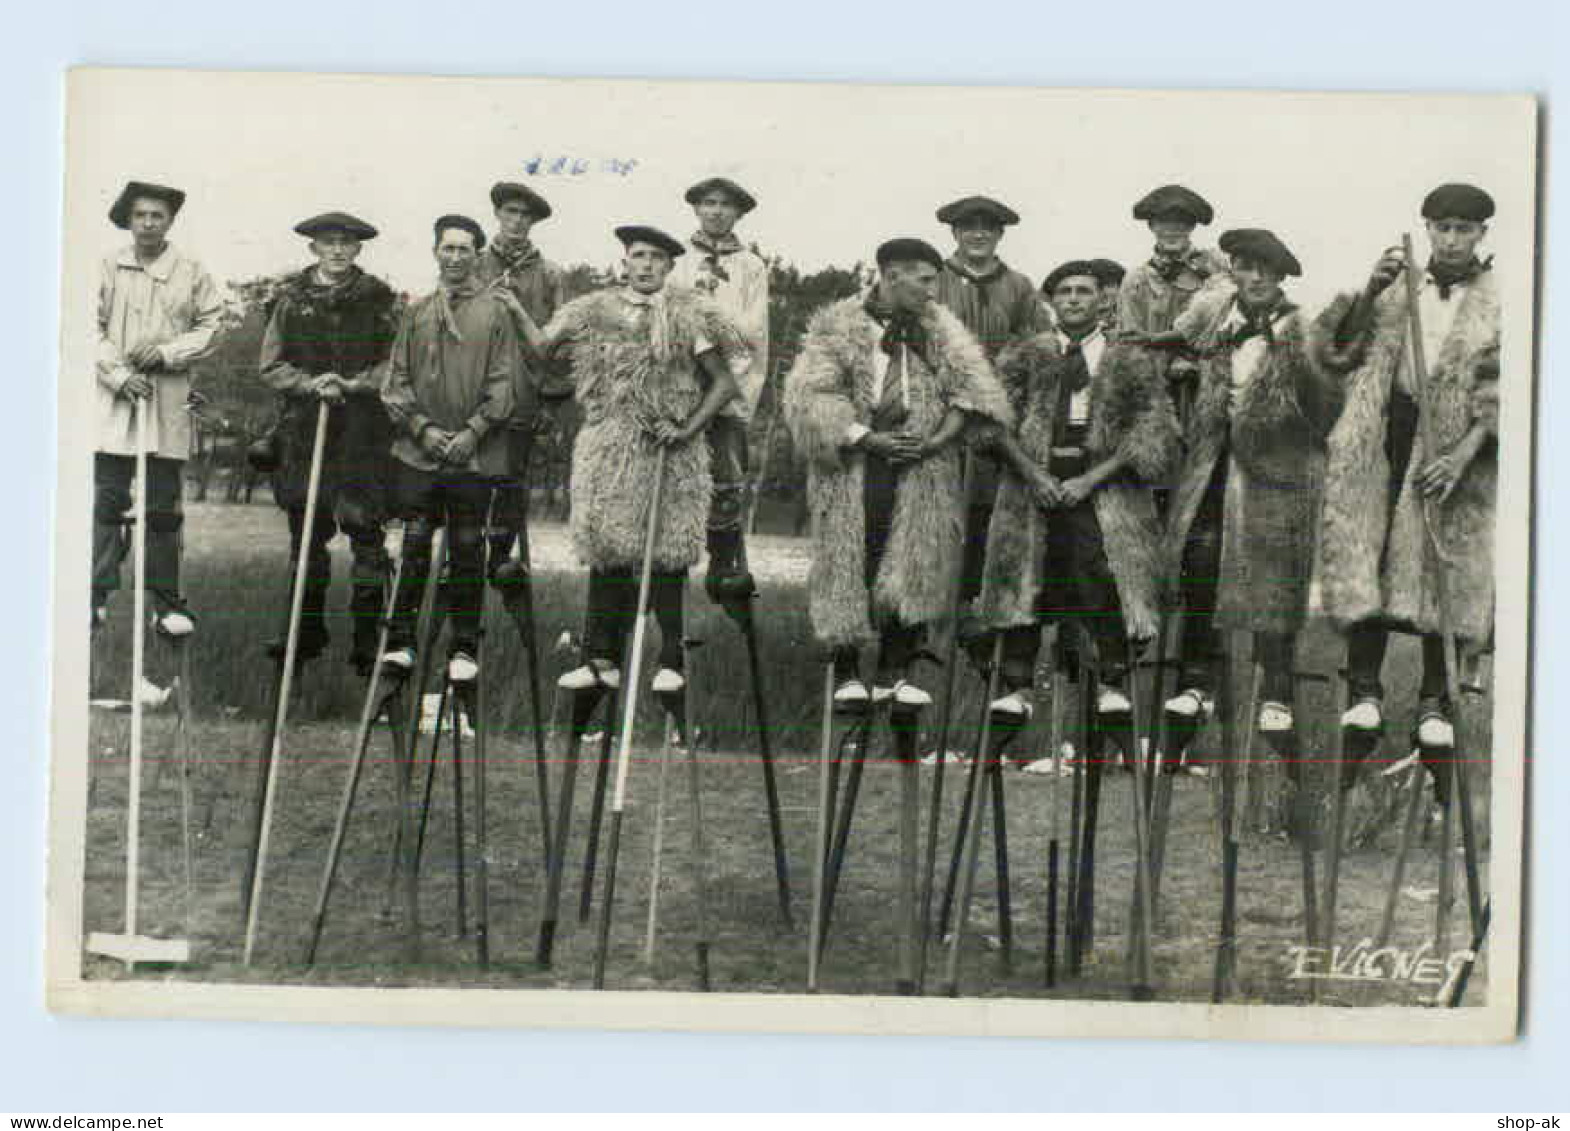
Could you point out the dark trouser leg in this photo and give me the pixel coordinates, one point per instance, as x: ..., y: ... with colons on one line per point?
x: 847, y: 663
x: 1365, y: 658
x: 467, y: 498
x: 318, y: 575
x: 897, y: 650
x: 419, y: 505
x: 728, y: 577
x: 880, y: 483
x: 1274, y: 651
x: 368, y: 586
x: 510, y: 520
x: 1095, y: 593
x: 1433, y: 688
x: 417, y: 534
x: 165, y: 518
x: 613, y: 597
x: 667, y: 593
x: 1021, y: 645
x: 111, y: 501
x: 1200, y: 581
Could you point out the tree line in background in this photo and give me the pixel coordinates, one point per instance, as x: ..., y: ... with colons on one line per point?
x: 231, y: 407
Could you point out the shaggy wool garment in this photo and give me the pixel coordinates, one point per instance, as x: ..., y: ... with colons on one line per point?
x: 828, y: 389
x: 1274, y: 437
x: 1131, y: 416
x: 1378, y: 560
x: 622, y: 386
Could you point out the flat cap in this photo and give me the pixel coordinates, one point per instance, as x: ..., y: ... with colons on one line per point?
x: 1458, y: 202
x: 630, y: 234
x: 1085, y: 267
x: 907, y: 249
x: 1262, y: 247
x: 1174, y: 200
x: 533, y: 202
x: 1109, y: 272
x: 351, y: 226
x: 463, y: 224
x: 120, y: 211
x: 995, y: 210
x: 744, y: 199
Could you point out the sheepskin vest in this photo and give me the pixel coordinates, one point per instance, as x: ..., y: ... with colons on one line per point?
x: 828, y: 389
x: 1378, y: 560
x: 1274, y: 437
x: 621, y: 386
x: 1131, y: 416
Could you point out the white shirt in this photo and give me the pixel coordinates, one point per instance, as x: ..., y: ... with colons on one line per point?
x: 1248, y: 356
x: 744, y: 298
x: 1438, y: 315
x: 880, y: 375
x: 1093, y: 345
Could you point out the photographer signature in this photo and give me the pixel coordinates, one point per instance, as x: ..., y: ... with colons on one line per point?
x: 1364, y: 962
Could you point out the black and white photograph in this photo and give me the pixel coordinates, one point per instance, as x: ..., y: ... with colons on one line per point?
x: 793, y: 557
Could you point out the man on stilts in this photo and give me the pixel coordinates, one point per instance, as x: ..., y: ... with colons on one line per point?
x: 1379, y: 571
x: 158, y: 312
x: 1000, y: 307
x: 1075, y: 535
x: 331, y: 329
x: 736, y: 280
x: 1243, y: 519
x: 449, y: 391
x: 877, y: 402
x: 512, y: 266
x: 651, y: 367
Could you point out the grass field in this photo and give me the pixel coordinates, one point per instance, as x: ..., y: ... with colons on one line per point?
x: 236, y: 567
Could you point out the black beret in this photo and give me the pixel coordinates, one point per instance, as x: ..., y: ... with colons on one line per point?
x: 995, y: 210
x: 907, y: 249
x: 120, y: 211
x: 630, y: 234
x: 462, y: 223
x: 1458, y: 202
x: 503, y: 191
x: 1109, y: 272
x: 351, y: 226
x: 1263, y: 247
x: 1073, y: 267
x: 744, y: 199
x: 1174, y: 198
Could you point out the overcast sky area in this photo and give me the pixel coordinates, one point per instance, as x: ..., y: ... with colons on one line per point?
x: 835, y: 169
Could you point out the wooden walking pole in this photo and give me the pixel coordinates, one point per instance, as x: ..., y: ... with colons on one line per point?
x: 1414, y: 814
x: 972, y: 841
x: 291, y: 646
x: 1460, y: 794
x: 1054, y: 815
x: 1226, y: 944
x: 375, y: 703
x: 820, y: 856
x: 1142, y: 987
x: 130, y: 947
x: 657, y: 852
x: 629, y: 719
x: 945, y: 721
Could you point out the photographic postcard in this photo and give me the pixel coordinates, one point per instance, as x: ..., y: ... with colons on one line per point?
x: 793, y: 557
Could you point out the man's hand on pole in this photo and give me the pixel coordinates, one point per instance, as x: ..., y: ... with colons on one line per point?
x: 136, y: 387
x: 460, y: 447
x: 1386, y: 271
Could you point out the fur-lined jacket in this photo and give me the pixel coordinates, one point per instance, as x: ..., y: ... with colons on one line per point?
x: 1131, y: 416
x: 828, y: 389
x: 613, y: 340
x: 1377, y: 558
x: 1273, y: 431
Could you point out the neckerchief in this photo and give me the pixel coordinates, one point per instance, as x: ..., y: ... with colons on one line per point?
x: 1257, y: 323
x: 659, y: 319
x: 446, y: 298
x: 1169, y: 266
x: 714, y: 248
x: 900, y: 327
x: 983, y: 281
x: 1447, y: 277
x: 515, y: 255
